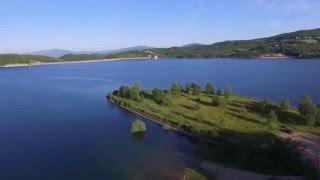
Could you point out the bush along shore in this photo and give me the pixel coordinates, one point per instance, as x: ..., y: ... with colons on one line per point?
x: 211, y: 114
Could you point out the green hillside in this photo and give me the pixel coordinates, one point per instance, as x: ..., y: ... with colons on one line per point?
x: 300, y: 44
x: 23, y: 59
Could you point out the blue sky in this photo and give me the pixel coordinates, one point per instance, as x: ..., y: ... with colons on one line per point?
x: 110, y: 24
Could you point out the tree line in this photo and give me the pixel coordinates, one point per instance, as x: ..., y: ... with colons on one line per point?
x: 309, y: 111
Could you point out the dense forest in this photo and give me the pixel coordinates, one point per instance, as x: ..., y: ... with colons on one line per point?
x: 299, y: 44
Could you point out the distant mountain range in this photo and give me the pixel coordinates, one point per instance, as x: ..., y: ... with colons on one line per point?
x: 299, y: 44
x: 57, y: 53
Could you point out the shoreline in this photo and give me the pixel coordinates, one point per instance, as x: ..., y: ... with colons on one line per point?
x: 159, y: 121
x: 18, y: 65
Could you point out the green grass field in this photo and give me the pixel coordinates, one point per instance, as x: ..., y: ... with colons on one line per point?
x: 235, y: 119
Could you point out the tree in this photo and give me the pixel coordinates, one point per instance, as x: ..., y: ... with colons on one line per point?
x: 311, y: 120
x: 263, y: 107
x: 196, y: 89
x: 219, y: 92
x: 209, y: 88
x: 136, y: 87
x: 306, y: 105
x: 227, y: 93
x: 130, y: 93
x: 176, y: 88
x: 273, y: 119
x: 193, y: 88
x: 216, y: 100
x: 160, y: 97
x: 285, y: 104
x: 124, y: 91
x: 188, y: 88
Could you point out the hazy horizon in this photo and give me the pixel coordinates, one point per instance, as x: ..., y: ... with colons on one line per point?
x: 99, y: 25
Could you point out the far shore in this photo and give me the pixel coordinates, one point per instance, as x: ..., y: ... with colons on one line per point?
x: 69, y: 62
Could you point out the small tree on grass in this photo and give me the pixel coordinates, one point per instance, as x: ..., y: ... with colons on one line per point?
x: 196, y: 89
x: 273, y: 119
x: 188, y: 89
x: 176, y: 88
x: 263, y: 107
x: 306, y: 105
x: 216, y: 100
x: 160, y: 97
x: 285, y: 104
x: 227, y: 93
x: 219, y: 92
x: 138, y: 126
x: 311, y: 120
x: 209, y: 88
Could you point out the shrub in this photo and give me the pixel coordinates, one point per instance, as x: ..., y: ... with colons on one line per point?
x: 285, y: 104
x: 138, y: 126
x: 209, y: 88
x: 176, y: 88
x: 263, y: 107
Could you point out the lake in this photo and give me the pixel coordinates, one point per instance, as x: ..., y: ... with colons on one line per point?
x: 55, y: 122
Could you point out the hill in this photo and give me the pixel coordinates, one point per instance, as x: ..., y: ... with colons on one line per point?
x: 299, y: 44
x: 57, y: 53
x: 6, y: 59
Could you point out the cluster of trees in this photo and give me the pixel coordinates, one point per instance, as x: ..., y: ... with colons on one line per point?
x: 133, y: 93
x: 160, y: 97
x: 193, y: 88
x: 309, y: 111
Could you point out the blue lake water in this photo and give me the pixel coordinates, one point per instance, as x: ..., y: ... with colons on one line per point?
x: 56, y: 124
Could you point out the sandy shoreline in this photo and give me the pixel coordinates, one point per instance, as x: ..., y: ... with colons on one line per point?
x: 69, y: 62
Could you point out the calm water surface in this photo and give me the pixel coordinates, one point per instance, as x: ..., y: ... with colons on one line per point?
x: 56, y: 124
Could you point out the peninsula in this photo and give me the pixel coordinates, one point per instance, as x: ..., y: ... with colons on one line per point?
x: 212, y: 114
